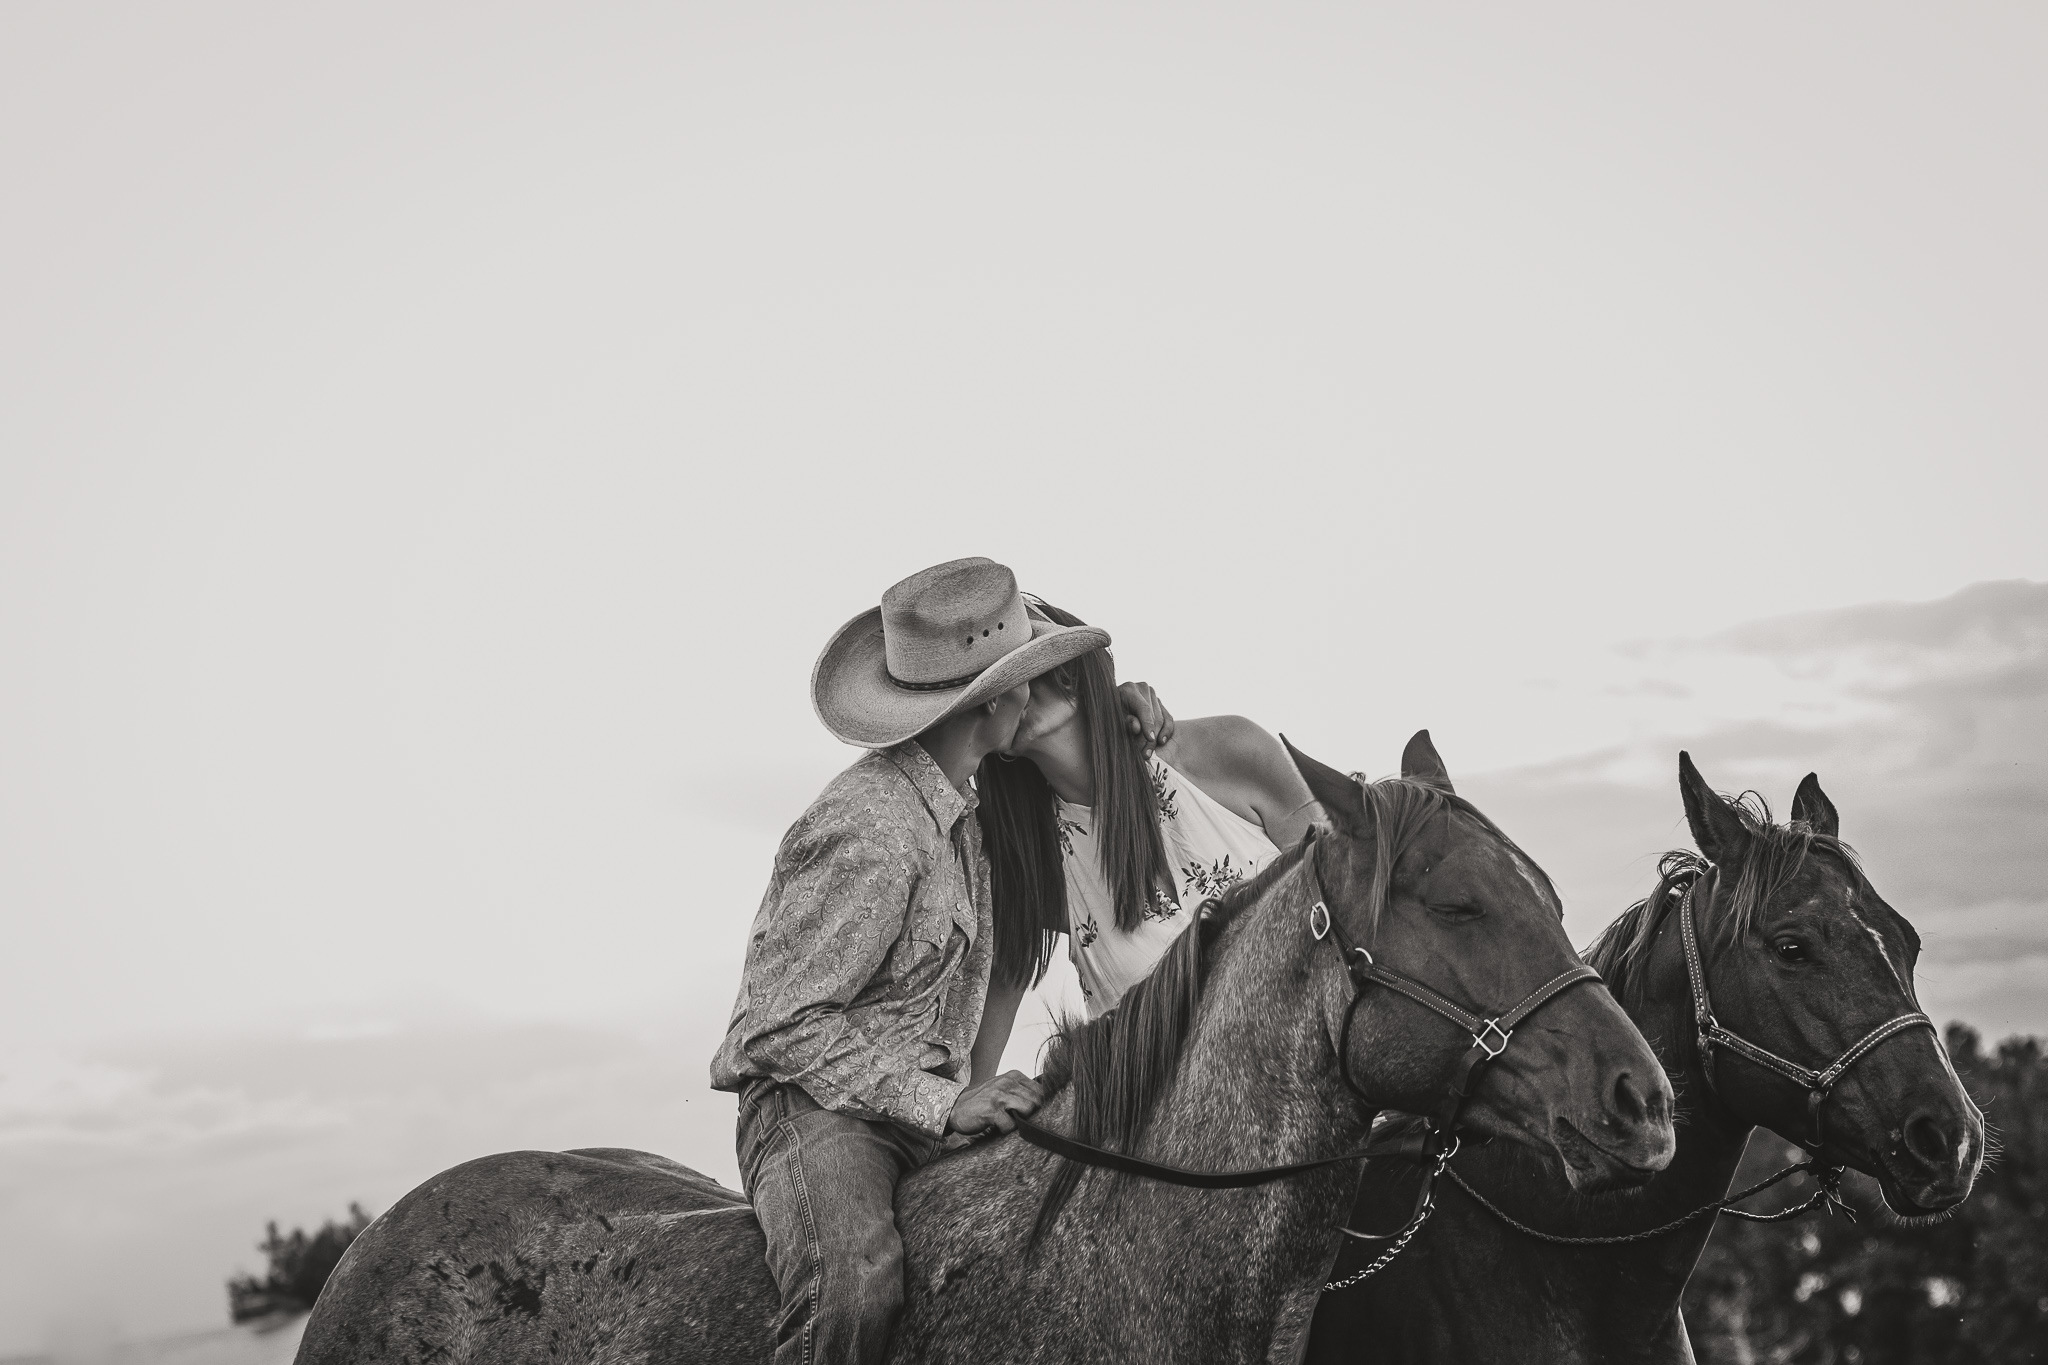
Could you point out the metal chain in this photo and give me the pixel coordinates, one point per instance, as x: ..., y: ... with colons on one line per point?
x: 1386, y: 1257
x: 1829, y: 1178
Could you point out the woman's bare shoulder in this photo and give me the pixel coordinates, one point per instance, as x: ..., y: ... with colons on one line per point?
x: 1248, y: 769
x: 1234, y: 750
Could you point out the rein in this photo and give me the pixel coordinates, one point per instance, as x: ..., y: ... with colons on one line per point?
x: 1710, y: 1035
x: 1490, y: 1037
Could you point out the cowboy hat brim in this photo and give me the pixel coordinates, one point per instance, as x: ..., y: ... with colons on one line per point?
x: 860, y: 704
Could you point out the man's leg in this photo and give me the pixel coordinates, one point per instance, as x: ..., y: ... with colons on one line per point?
x: 823, y: 1186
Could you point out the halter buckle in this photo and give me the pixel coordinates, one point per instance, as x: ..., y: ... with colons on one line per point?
x: 1485, y: 1043
x: 1319, y: 921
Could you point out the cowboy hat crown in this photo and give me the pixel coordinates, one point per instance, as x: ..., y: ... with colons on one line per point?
x: 944, y: 639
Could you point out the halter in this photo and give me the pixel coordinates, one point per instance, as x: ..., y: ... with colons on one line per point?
x: 1711, y: 1034
x: 1827, y: 1173
x: 1490, y: 1037
x: 1490, y: 1033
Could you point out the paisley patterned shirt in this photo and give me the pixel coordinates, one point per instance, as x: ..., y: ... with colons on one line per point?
x: 869, y: 960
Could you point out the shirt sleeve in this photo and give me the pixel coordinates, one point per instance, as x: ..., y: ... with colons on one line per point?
x: 840, y: 903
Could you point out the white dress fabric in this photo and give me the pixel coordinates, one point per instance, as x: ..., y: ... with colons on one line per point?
x: 1210, y: 848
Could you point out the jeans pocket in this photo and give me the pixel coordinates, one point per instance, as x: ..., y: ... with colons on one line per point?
x: 763, y: 1107
x: 751, y: 1096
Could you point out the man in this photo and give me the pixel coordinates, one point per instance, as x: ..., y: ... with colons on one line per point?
x: 868, y: 964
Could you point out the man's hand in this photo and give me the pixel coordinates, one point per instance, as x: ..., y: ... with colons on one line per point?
x: 1145, y: 716
x: 995, y: 1104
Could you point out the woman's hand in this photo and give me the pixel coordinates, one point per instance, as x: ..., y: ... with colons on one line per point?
x: 995, y: 1105
x: 1145, y: 716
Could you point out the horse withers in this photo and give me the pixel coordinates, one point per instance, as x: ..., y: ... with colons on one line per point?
x: 1798, y: 956
x: 1225, y: 1058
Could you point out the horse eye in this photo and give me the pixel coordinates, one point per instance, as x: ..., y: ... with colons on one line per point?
x: 1790, y: 950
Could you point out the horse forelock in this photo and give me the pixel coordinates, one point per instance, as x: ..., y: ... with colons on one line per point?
x: 1400, y: 807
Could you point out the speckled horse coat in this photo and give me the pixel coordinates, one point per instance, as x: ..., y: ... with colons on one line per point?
x: 618, y: 1256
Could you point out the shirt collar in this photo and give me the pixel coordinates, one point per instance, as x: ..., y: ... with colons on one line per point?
x: 946, y: 801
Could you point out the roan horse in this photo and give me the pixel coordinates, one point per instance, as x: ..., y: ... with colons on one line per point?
x: 1799, y: 955
x: 1225, y: 1057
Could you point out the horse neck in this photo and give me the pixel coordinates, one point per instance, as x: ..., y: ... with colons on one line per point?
x: 1711, y: 1138
x: 1256, y: 1084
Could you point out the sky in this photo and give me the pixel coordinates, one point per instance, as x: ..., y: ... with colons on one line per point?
x: 437, y: 440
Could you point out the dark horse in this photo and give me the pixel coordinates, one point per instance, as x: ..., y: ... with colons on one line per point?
x: 1801, y: 956
x: 1226, y: 1057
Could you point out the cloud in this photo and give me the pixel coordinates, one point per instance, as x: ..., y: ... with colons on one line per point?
x: 1928, y: 725
x: 1984, y: 617
x: 175, y: 1156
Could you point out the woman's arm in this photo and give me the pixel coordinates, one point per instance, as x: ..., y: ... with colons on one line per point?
x: 997, y: 1018
x: 1248, y: 770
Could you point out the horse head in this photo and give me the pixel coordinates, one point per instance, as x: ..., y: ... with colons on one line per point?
x: 1435, y: 891
x: 1805, y: 959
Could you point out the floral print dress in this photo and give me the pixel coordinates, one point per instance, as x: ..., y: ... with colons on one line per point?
x: 1211, y: 849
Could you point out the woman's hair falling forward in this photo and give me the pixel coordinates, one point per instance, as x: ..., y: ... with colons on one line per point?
x: 1020, y: 824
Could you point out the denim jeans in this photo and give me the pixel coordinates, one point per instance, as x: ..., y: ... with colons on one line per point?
x: 823, y: 1186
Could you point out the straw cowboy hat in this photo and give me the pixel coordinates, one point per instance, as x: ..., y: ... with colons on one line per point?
x: 943, y: 640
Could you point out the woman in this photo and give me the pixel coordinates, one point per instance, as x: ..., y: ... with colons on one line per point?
x: 1089, y: 836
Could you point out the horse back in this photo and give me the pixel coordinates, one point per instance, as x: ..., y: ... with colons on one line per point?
x: 600, y: 1254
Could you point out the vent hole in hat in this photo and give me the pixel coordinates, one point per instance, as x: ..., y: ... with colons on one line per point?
x: 999, y: 625
x: 984, y: 634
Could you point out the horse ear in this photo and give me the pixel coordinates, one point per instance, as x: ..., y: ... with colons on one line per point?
x: 1339, y: 794
x: 1419, y: 761
x: 1716, y: 828
x: 1811, y: 805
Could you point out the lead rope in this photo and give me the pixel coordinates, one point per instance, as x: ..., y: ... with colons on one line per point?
x: 1828, y: 1194
x: 1829, y: 1178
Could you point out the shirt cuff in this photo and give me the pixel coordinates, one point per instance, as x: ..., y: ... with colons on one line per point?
x: 932, y: 1097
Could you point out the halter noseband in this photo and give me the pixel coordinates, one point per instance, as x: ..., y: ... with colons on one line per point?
x: 1711, y: 1034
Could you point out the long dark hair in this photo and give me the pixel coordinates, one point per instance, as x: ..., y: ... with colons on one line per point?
x: 1020, y: 824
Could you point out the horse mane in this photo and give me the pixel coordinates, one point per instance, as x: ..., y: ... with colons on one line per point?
x: 1121, y: 1064
x: 1773, y: 855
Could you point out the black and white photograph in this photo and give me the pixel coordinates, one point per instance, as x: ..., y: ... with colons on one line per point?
x: 907, y: 683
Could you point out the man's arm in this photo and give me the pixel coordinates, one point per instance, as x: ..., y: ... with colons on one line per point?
x: 842, y: 899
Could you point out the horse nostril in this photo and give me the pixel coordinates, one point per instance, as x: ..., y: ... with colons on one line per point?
x: 1928, y: 1141
x: 1629, y: 1104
